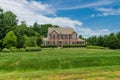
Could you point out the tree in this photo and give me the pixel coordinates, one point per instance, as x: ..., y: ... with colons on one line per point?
x: 112, y: 41
x: 20, y: 41
x: 30, y: 41
x: 105, y: 40
x: 36, y: 27
x: 1, y: 10
x: 100, y: 41
x: 7, y: 21
x: 92, y: 40
x: 81, y: 37
x: 44, y: 29
x: 10, y: 40
x: 118, y: 38
x: 39, y: 41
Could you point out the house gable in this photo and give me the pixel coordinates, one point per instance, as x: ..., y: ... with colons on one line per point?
x: 74, y: 35
x: 54, y: 32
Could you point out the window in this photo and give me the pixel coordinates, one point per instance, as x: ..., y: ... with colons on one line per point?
x: 67, y: 36
x: 56, y: 43
x: 73, y: 36
x: 68, y: 43
x: 70, y: 37
x: 54, y: 36
x: 53, y: 43
x: 58, y: 36
x: 65, y: 42
x: 73, y: 42
x: 63, y: 36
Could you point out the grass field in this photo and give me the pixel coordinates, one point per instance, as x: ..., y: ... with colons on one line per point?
x: 61, y: 64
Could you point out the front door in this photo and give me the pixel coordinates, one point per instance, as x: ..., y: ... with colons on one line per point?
x: 60, y: 44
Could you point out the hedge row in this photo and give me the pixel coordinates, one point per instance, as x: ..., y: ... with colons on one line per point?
x: 48, y: 46
x: 73, y: 46
x: 32, y: 49
x: 95, y: 47
x: 64, y: 46
x: 27, y: 49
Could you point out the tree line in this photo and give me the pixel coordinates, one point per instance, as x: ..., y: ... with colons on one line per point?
x: 111, y: 41
x: 20, y: 35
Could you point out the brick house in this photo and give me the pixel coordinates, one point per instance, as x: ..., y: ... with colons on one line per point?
x: 62, y: 36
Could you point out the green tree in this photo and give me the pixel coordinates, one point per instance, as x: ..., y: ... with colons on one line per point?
x: 81, y: 37
x: 10, y: 40
x: 92, y: 41
x: 112, y: 41
x: 1, y: 10
x: 44, y: 29
x: 118, y: 38
x: 20, y: 41
x: 100, y: 41
x: 30, y: 41
x: 39, y: 41
x: 105, y: 41
x: 36, y: 27
x: 7, y: 21
x: 20, y: 31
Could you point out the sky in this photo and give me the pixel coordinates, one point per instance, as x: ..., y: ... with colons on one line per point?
x: 87, y: 17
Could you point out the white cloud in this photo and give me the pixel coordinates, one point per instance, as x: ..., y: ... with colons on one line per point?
x: 23, y: 6
x: 107, y: 11
x: 86, y: 32
x: 36, y: 11
x: 88, y: 5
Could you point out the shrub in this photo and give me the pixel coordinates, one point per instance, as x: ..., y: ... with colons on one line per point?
x: 73, y: 46
x: 5, y: 50
x: 48, y: 46
x: 95, y: 47
x: 32, y: 49
x: 21, y: 50
x: 13, y: 49
x: 30, y: 41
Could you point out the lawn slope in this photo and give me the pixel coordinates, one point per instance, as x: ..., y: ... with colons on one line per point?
x: 61, y: 64
x: 49, y: 59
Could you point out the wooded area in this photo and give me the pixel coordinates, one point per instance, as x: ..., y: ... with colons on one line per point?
x: 20, y: 35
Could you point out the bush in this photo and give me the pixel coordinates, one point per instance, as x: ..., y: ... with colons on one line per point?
x: 32, y: 49
x: 48, y: 46
x: 95, y: 47
x: 5, y: 50
x: 21, y: 50
x: 13, y: 49
x: 30, y: 41
x: 73, y: 46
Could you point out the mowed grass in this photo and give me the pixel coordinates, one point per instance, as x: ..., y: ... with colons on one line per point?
x: 61, y: 64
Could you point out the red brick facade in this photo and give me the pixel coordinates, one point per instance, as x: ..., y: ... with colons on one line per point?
x: 57, y: 38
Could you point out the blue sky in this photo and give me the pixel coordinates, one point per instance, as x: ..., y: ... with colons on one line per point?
x: 87, y: 17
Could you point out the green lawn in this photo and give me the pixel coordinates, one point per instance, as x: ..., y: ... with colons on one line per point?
x: 61, y: 64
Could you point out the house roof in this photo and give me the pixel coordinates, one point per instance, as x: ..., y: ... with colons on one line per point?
x: 45, y: 39
x: 81, y: 40
x: 61, y: 30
